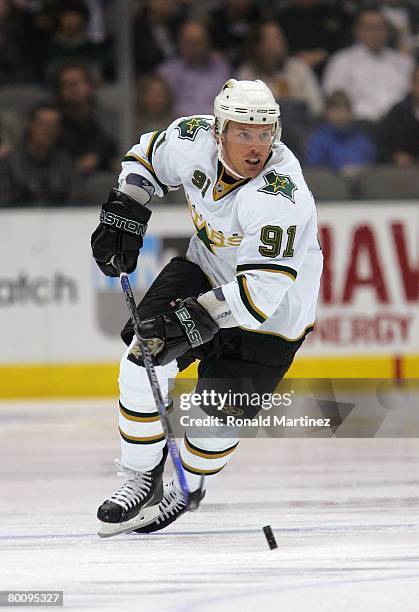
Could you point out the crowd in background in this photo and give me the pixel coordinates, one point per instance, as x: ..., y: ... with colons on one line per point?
x: 345, y: 73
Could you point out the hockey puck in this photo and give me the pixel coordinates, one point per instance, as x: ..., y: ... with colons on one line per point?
x: 270, y: 538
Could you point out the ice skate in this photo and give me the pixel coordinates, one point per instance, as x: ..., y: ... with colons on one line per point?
x: 135, y: 504
x: 171, y: 508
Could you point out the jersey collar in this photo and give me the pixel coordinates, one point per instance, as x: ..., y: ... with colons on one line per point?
x: 225, y: 183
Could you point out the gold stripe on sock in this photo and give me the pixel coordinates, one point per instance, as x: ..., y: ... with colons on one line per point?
x: 142, y: 440
x: 208, y: 455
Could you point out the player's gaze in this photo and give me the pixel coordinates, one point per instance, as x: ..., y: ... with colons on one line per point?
x: 251, y: 135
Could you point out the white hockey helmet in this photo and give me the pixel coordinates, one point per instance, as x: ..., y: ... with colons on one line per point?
x: 246, y: 102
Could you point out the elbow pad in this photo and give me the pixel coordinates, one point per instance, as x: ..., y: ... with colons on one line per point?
x: 137, y: 187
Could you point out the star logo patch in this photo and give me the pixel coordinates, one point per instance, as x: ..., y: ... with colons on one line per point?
x: 279, y: 184
x: 188, y: 128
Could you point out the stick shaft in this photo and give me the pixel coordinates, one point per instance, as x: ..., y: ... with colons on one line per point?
x: 155, y: 387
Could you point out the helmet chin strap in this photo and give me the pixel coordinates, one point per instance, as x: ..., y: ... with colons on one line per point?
x: 232, y: 172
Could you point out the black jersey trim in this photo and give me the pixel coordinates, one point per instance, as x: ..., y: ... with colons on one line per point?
x: 247, y: 300
x: 152, y: 145
x: 147, y: 165
x: 269, y: 268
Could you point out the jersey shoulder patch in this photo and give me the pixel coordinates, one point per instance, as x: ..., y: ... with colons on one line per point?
x: 189, y: 128
x: 279, y: 184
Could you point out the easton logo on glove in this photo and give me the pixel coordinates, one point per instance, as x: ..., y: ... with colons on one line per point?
x: 189, y: 326
x: 128, y: 225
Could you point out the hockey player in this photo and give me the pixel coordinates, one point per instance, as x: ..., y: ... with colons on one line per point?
x: 249, y: 281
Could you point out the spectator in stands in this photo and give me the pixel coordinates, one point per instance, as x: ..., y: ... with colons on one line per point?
x: 83, y: 137
x: 340, y: 144
x: 69, y: 41
x: 231, y: 24
x: 10, y: 131
x: 96, y: 29
x: 38, y: 172
x: 36, y: 21
x: 315, y: 29
x: 401, y: 17
x: 155, y: 31
x: 196, y: 73
x: 399, y: 130
x: 154, y: 104
x: 12, y: 60
x: 288, y: 77
x: 373, y: 76
x: 292, y: 81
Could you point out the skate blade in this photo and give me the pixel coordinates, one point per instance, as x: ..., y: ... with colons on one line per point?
x: 144, y: 518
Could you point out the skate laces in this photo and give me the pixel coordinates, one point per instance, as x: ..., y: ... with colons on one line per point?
x: 172, y: 502
x: 134, y: 490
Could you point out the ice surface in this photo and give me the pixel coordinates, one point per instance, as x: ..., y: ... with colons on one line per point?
x: 345, y: 514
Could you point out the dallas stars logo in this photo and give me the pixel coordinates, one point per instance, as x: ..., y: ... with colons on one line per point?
x: 189, y: 128
x: 203, y: 235
x: 227, y: 85
x: 279, y: 183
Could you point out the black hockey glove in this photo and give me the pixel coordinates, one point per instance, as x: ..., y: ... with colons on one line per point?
x: 123, y: 223
x: 171, y: 334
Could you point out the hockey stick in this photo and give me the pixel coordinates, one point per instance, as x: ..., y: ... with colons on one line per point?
x: 191, y: 499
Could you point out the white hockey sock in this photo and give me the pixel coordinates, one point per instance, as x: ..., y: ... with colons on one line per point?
x: 142, y: 437
x: 205, y: 457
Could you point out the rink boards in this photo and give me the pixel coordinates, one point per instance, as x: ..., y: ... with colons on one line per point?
x: 60, y: 318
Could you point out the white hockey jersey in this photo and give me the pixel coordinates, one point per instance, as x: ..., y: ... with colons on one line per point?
x: 257, y: 238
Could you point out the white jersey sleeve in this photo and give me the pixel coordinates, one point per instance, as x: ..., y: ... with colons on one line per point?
x: 155, y: 157
x: 277, y: 235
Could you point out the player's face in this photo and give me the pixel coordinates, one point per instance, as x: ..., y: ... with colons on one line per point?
x: 246, y: 147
